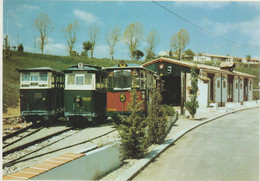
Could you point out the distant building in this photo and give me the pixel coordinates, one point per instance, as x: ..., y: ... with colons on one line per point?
x: 251, y: 61
x: 203, y: 57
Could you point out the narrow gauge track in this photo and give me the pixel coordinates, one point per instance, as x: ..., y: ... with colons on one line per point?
x: 22, y: 137
x: 17, y: 132
x: 34, y: 141
x: 18, y: 160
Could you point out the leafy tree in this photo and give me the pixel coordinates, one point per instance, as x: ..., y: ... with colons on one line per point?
x: 132, y: 131
x: 132, y: 36
x: 112, y: 38
x: 138, y: 54
x: 156, y: 119
x: 170, y: 53
x: 6, y: 49
x: 43, y: 24
x: 93, y: 32
x: 189, y: 53
x: 87, y: 45
x: 152, y: 40
x: 192, y: 105
x: 20, y: 48
x: 70, y: 34
x: 179, y: 41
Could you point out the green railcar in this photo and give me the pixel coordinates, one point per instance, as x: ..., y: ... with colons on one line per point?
x: 41, y: 94
x: 85, y: 93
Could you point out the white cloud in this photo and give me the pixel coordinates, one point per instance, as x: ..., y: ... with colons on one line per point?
x: 202, y: 4
x: 88, y: 18
x: 19, y: 24
x: 55, y: 49
x: 30, y: 7
x: 12, y: 14
x: 251, y: 29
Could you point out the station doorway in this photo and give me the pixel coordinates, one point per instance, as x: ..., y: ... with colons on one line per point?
x: 171, y: 90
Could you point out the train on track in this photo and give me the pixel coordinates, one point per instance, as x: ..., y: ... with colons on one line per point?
x: 41, y: 94
x: 82, y: 92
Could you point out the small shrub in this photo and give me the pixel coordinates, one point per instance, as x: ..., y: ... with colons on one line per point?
x: 156, y: 119
x: 170, y: 111
x: 132, y: 130
x: 193, y: 104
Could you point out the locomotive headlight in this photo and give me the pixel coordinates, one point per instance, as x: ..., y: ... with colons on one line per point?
x: 43, y: 99
x: 78, y: 99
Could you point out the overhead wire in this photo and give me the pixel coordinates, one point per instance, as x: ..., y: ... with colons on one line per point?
x: 203, y: 29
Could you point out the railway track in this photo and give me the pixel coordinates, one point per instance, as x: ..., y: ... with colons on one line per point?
x: 33, y: 141
x: 31, y: 155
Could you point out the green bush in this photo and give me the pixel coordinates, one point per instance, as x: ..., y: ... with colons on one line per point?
x: 132, y: 130
x: 192, y: 105
x: 170, y: 111
x: 156, y: 119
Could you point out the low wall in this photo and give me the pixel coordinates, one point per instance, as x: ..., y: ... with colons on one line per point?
x: 91, y: 166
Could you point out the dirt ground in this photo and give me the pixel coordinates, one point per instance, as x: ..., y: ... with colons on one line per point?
x: 12, y: 112
x: 12, y: 124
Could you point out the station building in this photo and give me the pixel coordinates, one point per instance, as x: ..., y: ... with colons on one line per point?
x: 216, y: 84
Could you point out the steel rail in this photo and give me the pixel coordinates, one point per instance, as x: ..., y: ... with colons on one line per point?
x: 35, y: 131
x: 17, y: 132
x: 11, y: 163
x: 33, y: 142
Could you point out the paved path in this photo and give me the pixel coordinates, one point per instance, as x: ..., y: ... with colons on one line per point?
x: 225, y: 149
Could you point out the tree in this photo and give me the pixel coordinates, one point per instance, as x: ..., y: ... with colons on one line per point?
x: 132, y: 129
x: 193, y: 104
x: 20, y: 48
x: 189, y: 53
x: 138, y: 54
x: 6, y: 49
x: 87, y: 45
x: 70, y: 34
x: 43, y: 24
x: 112, y: 38
x: 132, y: 36
x: 179, y: 42
x: 152, y: 41
x: 93, y: 32
x: 156, y: 119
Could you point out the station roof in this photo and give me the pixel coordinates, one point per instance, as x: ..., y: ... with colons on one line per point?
x: 207, y: 68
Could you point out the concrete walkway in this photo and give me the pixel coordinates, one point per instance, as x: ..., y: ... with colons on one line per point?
x: 181, y: 127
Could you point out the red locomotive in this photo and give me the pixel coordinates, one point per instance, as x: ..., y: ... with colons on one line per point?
x: 121, y: 80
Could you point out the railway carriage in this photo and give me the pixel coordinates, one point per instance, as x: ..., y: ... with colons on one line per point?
x: 41, y: 94
x: 121, y: 80
x: 85, y: 93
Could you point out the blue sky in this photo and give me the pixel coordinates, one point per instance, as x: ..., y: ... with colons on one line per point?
x: 235, y: 21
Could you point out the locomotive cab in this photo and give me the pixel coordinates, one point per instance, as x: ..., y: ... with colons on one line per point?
x: 121, y: 80
x: 85, y: 95
x: 41, y: 94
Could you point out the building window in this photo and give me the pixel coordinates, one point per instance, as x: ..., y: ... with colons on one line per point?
x: 224, y: 84
x: 250, y: 86
x: 218, y: 84
x: 236, y: 85
x: 240, y: 85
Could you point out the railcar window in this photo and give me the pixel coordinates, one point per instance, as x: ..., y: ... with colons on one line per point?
x: 71, y: 79
x: 34, y: 78
x: 88, y: 79
x: 43, y: 76
x: 25, y: 76
x: 79, y: 79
